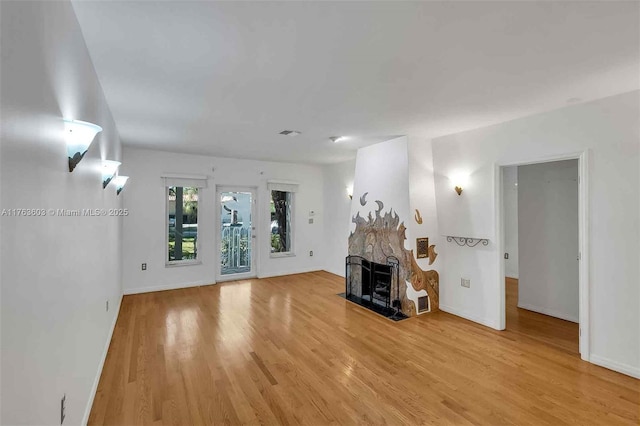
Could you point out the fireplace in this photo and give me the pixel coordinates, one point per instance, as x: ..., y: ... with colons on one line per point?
x: 374, y: 285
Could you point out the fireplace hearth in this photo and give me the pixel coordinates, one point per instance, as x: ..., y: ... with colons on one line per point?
x: 374, y: 285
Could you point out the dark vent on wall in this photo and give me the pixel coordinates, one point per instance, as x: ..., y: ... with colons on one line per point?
x: 422, y: 248
x: 423, y: 304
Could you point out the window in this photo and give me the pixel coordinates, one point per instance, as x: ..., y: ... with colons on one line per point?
x: 182, y: 222
x: 281, y: 222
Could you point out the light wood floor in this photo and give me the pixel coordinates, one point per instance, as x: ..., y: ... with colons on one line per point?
x: 288, y: 350
x: 548, y: 330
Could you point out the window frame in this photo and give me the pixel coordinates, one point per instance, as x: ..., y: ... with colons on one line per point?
x: 292, y: 250
x: 182, y: 262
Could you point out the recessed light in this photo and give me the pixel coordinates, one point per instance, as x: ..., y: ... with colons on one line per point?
x: 337, y: 139
x: 290, y: 133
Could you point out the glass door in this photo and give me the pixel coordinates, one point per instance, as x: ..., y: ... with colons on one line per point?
x: 237, y: 232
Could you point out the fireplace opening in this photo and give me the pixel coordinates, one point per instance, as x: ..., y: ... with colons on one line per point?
x: 374, y: 285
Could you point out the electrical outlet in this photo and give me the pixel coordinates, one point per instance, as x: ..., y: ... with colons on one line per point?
x: 310, y: 221
x: 144, y: 266
x: 465, y: 282
x: 63, y: 408
x: 107, y: 306
x: 506, y: 255
x: 311, y: 253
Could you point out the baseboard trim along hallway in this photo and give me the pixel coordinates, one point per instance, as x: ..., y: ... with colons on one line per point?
x: 94, y: 388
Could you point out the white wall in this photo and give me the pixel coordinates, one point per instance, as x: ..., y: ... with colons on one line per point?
x: 423, y: 198
x: 144, y: 228
x: 609, y: 129
x: 382, y: 170
x: 548, y: 238
x: 337, y: 214
x: 510, y: 202
x: 56, y: 272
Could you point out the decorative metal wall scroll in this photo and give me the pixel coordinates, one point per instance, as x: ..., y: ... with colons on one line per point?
x: 467, y: 241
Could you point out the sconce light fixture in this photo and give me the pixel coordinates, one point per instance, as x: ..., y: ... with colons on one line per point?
x: 349, y: 189
x: 78, y: 136
x: 120, y: 181
x: 459, y: 181
x: 109, y: 169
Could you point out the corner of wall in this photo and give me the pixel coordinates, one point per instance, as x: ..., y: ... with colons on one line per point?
x: 105, y: 351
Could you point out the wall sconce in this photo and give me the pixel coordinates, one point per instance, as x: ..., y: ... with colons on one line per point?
x: 109, y: 169
x: 120, y: 181
x: 460, y: 181
x: 78, y: 136
x: 349, y: 189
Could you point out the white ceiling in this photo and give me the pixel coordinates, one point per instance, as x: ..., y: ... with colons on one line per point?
x: 223, y: 78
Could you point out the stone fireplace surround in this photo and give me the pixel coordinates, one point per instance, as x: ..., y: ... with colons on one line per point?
x: 380, y: 237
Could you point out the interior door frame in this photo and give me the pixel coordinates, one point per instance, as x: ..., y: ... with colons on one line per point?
x: 253, y: 273
x: 583, y: 241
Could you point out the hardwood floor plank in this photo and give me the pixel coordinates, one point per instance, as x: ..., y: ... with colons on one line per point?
x: 263, y: 368
x: 287, y: 350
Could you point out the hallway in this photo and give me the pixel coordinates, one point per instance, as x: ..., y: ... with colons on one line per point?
x: 552, y: 331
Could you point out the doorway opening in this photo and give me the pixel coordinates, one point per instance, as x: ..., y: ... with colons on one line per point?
x: 237, y: 236
x: 542, y: 219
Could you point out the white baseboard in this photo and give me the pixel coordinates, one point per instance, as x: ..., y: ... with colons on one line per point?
x: 230, y: 278
x: 331, y: 271
x: 96, y: 381
x: 549, y: 312
x: 467, y: 315
x: 615, y: 366
x: 288, y: 272
x: 139, y: 290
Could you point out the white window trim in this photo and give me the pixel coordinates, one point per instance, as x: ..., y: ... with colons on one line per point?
x: 282, y: 185
x: 282, y: 254
x: 182, y: 262
x: 176, y: 263
x: 189, y: 181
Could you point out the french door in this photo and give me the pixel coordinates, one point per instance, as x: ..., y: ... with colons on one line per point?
x: 236, y: 232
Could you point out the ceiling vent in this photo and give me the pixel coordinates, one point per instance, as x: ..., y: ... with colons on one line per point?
x: 336, y: 139
x: 290, y: 132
